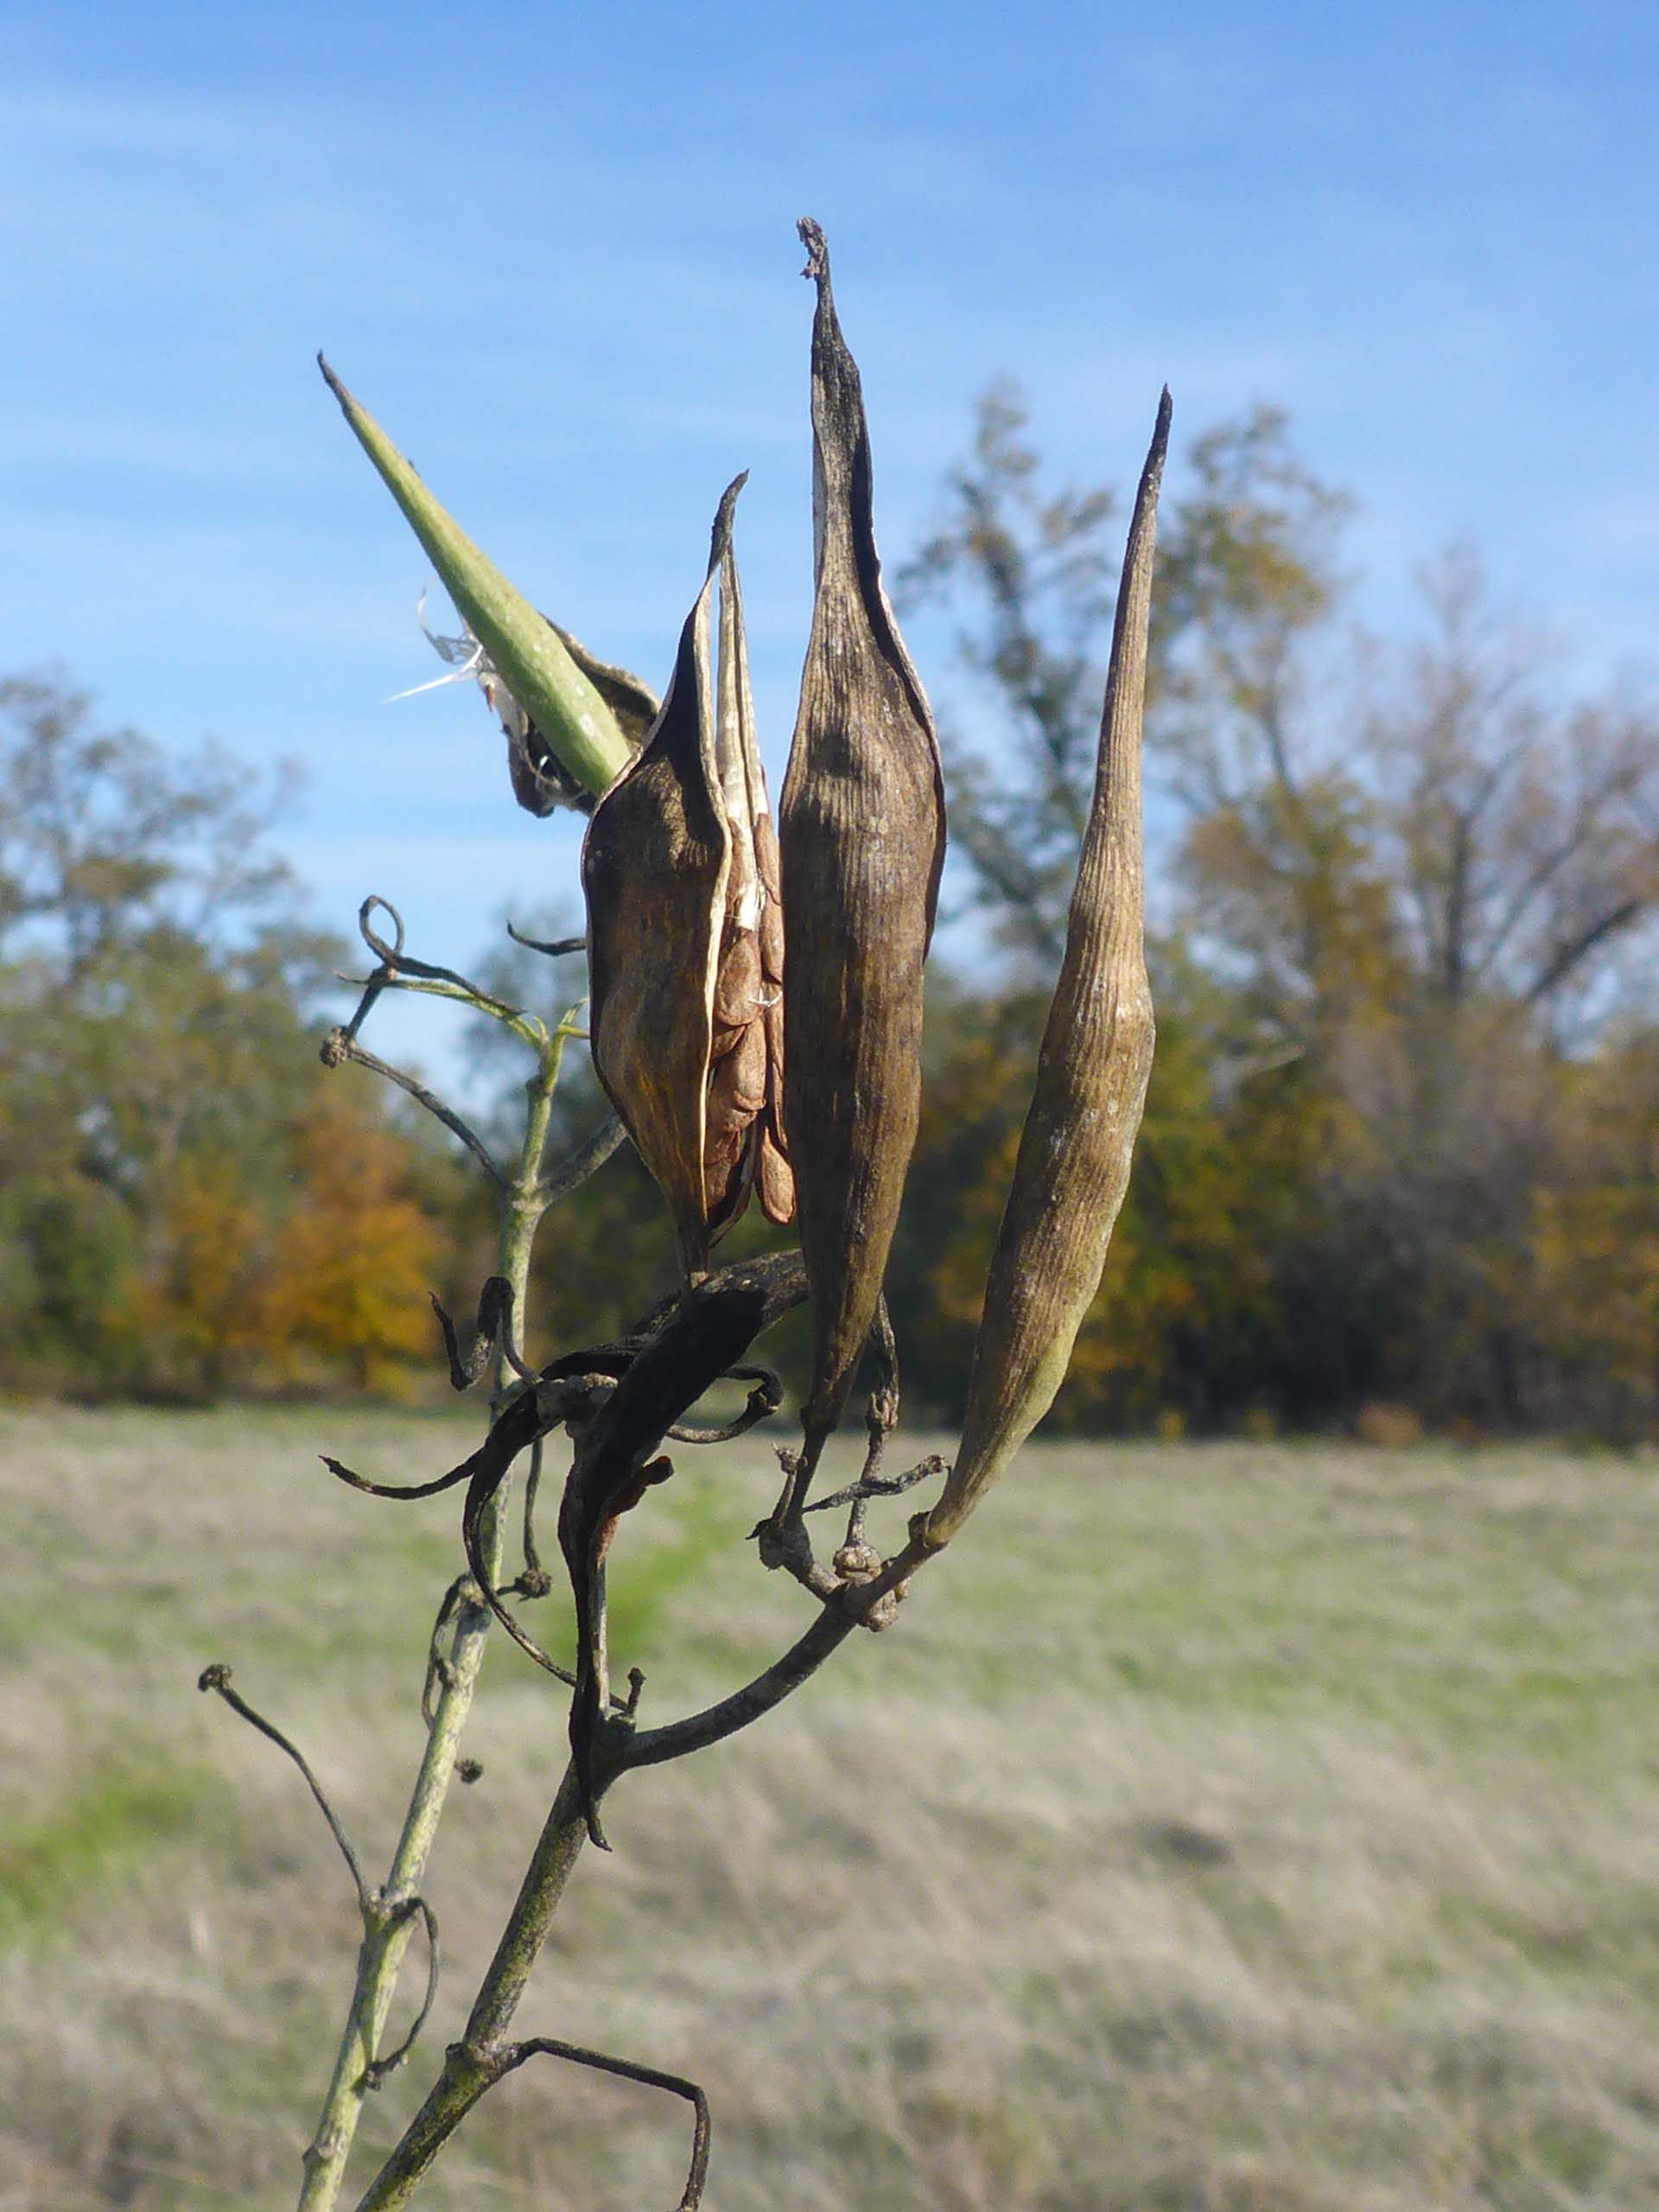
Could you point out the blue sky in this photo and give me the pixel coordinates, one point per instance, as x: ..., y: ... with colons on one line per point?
x: 553, y: 250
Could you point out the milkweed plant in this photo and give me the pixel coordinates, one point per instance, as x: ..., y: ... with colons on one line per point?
x: 755, y: 996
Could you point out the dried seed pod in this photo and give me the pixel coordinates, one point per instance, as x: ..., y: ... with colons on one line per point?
x: 773, y: 1174
x: 563, y: 694
x: 1078, y: 1139
x: 654, y: 868
x: 746, y: 1076
x: 862, y: 836
x: 675, y: 904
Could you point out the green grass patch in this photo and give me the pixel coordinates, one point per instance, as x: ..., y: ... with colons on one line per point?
x: 48, y: 1865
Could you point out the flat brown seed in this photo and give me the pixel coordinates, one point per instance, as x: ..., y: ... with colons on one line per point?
x: 739, y: 999
x: 775, y: 1179
x: 861, y: 830
x: 772, y: 913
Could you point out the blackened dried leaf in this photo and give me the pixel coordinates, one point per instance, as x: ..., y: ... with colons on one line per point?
x: 654, y: 865
x: 1078, y: 1139
x: 703, y: 1337
x: 862, y: 836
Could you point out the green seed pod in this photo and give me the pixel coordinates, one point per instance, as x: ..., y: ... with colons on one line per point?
x: 1078, y: 1139
x: 677, y: 912
x: 579, y: 707
x: 861, y: 830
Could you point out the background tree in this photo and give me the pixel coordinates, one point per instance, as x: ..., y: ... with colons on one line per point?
x: 1408, y: 883
x: 159, y: 1011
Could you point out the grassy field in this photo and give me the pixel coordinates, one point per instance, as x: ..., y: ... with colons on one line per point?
x: 1226, y: 1828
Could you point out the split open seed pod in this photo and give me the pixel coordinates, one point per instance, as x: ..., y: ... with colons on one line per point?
x: 1078, y: 1139
x: 744, y: 1145
x: 862, y: 830
x: 567, y: 715
x: 684, y: 976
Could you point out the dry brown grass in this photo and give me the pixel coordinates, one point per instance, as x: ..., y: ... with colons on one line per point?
x: 1223, y: 1829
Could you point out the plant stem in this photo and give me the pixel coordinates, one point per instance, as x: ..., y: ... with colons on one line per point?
x: 484, y: 2054
x: 471, y: 2066
x: 387, y: 1931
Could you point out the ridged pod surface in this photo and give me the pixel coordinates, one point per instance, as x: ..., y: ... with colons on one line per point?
x: 862, y: 830
x: 1078, y: 1139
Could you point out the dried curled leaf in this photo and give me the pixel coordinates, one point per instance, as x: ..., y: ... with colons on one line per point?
x: 862, y: 836
x: 562, y: 694
x: 704, y: 1337
x: 680, y: 914
x: 1078, y: 1141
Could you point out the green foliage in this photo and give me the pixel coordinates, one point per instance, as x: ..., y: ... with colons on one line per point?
x: 349, y: 1267
x: 159, y: 1071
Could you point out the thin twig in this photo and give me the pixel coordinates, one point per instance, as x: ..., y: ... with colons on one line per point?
x: 439, y: 1669
x: 218, y: 1678
x: 590, y: 1155
x: 340, y: 1045
x: 650, y: 2077
x: 399, y: 962
x: 534, y: 1581
x: 491, y: 1336
x: 554, y: 950
x: 765, y: 1398
x: 880, y: 1418
x: 782, y: 1537
x: 869, y: 1486
x: 870, y: 1604
x: 343, y: 1473
x: 378, y: 2069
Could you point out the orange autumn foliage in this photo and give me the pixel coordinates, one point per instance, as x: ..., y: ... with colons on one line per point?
x: 349, y: 1269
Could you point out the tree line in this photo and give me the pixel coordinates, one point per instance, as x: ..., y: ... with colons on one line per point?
x: 1400, y: 1159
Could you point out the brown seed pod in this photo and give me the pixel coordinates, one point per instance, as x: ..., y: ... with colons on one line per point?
x: 862, y: 835
x: 746, y: 1075
x: 679, y: 996
x: 654, y: 869
x: 1078, y: 1139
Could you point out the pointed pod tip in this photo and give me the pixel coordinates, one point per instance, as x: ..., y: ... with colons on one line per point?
x: 1160, y: 434
x: 1152, y: 475
x: 720, y: 536
x: 818, y: 249
x: 346, y: 402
